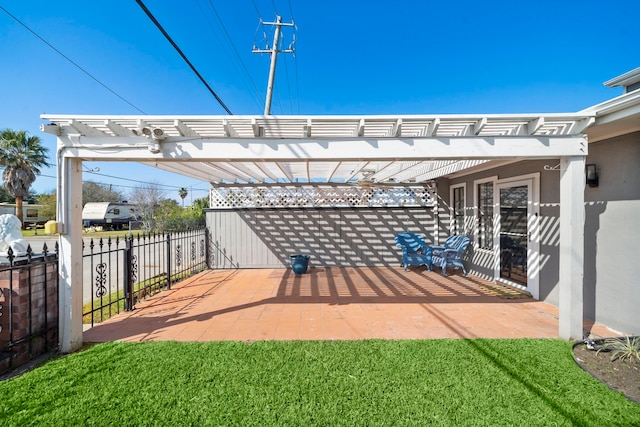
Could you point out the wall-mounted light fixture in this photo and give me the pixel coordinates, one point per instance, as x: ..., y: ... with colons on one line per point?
x: 592, y: 175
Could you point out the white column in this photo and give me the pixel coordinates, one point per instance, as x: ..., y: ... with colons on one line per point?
x: 572, y: 215
x: 70, y: 253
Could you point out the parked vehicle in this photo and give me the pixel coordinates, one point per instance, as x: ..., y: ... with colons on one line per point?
x: 109, y: 215
x: 31, y: 214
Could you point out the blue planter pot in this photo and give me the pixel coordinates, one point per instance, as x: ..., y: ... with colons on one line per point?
x: 300, y: 263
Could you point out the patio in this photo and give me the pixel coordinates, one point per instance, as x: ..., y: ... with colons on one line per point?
x: 334, y: 303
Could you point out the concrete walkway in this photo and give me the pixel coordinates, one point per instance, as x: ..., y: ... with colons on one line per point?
x: 333, y: 303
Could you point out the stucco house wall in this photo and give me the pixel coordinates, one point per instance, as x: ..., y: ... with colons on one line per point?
x: 612, y: 233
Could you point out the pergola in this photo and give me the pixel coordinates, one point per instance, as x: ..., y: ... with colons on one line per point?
x: 306, y: 150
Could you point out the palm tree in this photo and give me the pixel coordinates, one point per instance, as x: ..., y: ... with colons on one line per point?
x: 22, y: 157
x: 183, y: 193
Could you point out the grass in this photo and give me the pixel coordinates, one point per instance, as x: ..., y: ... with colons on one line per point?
x: 113, y: 303
x: 330, y: 383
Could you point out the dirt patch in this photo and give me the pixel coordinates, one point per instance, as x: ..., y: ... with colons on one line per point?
x: 622, y: 376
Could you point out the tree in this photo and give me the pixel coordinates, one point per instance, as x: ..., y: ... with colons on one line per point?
x: 95, y: 192
x: 199, y: 205
x: 48, y: 202
x: 147, y: 198
x: 183, y: 193
x: 5, y: 196
x: 22, y: 156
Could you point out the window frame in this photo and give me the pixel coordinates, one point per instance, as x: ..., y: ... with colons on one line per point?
x: 477, y: 232
x: 456, y: 227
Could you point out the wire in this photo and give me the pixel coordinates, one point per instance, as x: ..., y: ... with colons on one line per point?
x: 71, y: 61
x: 244, y: 67
x: 175, y: 46
x: 257, y: 11
x: 129, y: 186
x: 286, y: 73
x: 295, y: 59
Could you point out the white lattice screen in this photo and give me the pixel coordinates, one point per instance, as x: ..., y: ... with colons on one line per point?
x: 316, y: 196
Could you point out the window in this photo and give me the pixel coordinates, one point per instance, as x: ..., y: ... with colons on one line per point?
x: 458, y: 207
x: 32, y: 213
x: 485, y: 215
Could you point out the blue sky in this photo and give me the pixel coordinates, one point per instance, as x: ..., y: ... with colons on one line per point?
x: 352, y: 57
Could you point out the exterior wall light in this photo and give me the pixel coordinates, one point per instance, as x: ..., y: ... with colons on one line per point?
x: 155, y: 135
x: 592, y: 175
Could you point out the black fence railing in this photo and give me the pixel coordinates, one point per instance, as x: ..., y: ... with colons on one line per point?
x: 122, y: 271
x: 28, y: 306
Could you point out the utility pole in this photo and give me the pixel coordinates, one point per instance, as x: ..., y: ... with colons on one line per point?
x: 274, y: 57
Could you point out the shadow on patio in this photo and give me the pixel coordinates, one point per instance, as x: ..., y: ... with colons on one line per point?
x: 332, y: 303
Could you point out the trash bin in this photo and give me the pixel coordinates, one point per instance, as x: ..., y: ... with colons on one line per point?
x: 300, y: 263
x: 50, y: 227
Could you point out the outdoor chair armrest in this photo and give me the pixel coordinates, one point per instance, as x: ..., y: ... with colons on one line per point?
x: 437, y: 250
x: 451, y: 253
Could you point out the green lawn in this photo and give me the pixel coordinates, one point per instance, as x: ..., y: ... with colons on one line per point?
x: 329, y: 383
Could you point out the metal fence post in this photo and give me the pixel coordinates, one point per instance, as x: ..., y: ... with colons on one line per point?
x: 207, y: 247
x: 128, y: 277
x: 168, y: 260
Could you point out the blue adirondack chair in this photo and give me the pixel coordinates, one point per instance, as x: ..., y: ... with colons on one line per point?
x: 414, y: 250
x: 450, y: 255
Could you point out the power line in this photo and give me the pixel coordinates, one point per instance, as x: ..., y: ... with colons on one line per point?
x: 175, y: 46
x: 244, y: 67
x: 132, y: 180
x: 257, y: 11
x: 71, y: 61
x: 295, y: 60
x: 286, y: 73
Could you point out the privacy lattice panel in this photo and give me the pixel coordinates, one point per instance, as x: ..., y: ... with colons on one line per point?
x: 299, y: 197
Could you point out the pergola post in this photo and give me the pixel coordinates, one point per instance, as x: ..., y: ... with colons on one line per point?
x: 572, y: 217
x: 70, y: 253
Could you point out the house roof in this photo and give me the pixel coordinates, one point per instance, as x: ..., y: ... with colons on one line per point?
x: 254, y: 150
x: 614, y: 117
x: 626, y: 79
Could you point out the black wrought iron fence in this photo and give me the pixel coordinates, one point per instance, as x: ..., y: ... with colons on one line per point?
x: 28, y: 306
x: 122, y: 271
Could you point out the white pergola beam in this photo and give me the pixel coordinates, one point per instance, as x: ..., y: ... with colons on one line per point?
x: 535, y: 125
x: 432, y: 129
x: 479, y: 125
x: 333, y: 171
x: 356, y: 171
x: 267, y: 173
x: 231, y: 149
x: 397, y: 129
x: 228, y: 129
x: 85, y: 130
x: 183, y: 129
x: 117, y: 129
x: 307, y: 128
x: 285, y: 172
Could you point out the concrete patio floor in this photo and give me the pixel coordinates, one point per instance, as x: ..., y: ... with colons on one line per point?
x: 333, y: 303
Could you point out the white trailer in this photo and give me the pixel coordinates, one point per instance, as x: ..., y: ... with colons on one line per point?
x: 109, y: 215
x: 31, y: 214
